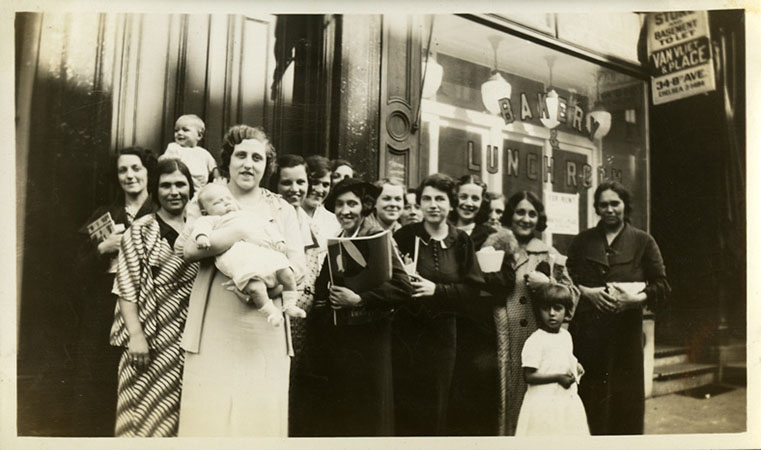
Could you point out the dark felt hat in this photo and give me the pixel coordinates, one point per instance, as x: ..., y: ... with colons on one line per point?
x: 364, y: 190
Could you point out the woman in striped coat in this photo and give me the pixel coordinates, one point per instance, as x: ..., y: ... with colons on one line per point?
x: 153, y: 285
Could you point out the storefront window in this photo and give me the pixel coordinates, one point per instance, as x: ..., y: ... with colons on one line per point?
x: 545, y: 129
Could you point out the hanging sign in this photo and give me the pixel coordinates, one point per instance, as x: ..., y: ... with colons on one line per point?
x: 562, y: 213
x: 679, y: 50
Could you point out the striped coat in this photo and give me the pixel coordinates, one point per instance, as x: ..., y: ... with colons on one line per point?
x: 159, y: 282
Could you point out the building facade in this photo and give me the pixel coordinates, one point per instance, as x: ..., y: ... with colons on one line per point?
x: 552, y: 103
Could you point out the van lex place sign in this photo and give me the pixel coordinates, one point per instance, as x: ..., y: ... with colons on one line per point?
x: 679, y: 50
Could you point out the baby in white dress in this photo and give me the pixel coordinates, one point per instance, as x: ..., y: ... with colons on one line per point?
x: 552, y: 405
x: 254, y: 265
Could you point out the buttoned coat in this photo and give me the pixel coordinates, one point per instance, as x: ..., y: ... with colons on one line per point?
x: 610, y: 345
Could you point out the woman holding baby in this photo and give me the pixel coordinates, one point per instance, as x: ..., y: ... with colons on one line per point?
x: 237, y: 364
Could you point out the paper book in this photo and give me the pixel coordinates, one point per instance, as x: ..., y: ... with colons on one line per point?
x: 360, y: 264
x: 102, y: 227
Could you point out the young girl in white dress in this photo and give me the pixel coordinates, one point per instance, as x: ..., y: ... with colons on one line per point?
x: 551, y: 405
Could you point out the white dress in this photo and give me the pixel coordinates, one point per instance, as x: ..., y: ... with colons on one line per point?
x: 550, y: 409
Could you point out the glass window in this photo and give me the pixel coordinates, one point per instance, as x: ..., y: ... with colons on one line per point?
x: 546, y: 121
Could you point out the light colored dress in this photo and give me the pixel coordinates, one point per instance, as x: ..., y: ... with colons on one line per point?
x: 237, y: 365
x: 551, y: 409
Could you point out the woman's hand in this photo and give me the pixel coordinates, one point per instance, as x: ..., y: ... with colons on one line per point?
x: 139, y: 351
x: 536, y: 279
x: 341, y: 297
x: 111, y: 243
x: 422, y: 287
x: 599, y: 298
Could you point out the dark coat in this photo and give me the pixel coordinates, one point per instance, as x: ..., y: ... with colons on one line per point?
x: 96, y: 361
x: 425, y: 342
x: 609, y: 345
x: 351, y: 389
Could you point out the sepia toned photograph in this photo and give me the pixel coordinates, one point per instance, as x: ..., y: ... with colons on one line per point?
x: 430, y: 228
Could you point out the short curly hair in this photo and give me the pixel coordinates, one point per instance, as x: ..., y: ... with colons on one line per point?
x: 512, y: 203
x: 318, y: 167
x: 482, y: 215
x: 239, y: 133
x: 442, y: 182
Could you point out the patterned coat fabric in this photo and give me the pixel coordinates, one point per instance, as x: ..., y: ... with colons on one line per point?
x: 159, y: 282
x: 515, y: 321
x: 609, y: 345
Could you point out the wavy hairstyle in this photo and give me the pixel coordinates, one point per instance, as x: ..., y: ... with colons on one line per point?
x: 512, y: 203
x: 239, y: 133
x: 317, y: 167
x: 483, y: 212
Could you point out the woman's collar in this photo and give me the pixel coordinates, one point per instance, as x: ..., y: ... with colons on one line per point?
x: 448, y: 241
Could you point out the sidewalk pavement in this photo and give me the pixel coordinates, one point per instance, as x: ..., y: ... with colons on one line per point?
x: 680, y: 414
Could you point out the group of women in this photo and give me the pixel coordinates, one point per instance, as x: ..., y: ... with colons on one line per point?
x: 434, y: 350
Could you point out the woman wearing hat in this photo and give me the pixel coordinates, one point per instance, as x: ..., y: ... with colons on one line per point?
x: 352, y: 360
